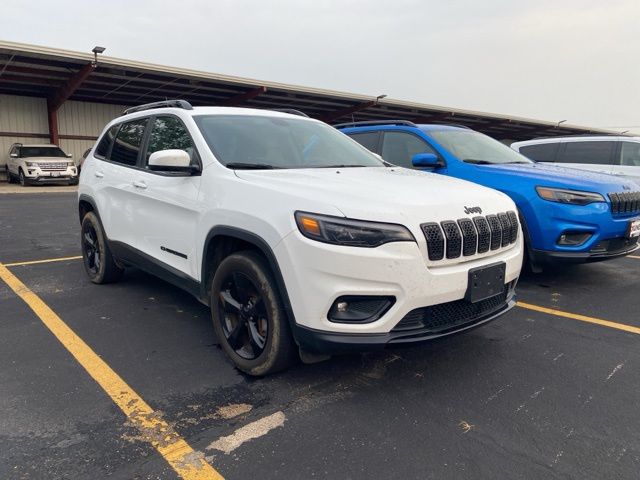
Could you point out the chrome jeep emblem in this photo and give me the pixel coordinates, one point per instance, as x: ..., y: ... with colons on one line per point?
x: 469, y: 210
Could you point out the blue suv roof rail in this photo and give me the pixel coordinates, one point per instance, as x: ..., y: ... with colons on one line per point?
x: 163, y: 104
x: 372, y: 123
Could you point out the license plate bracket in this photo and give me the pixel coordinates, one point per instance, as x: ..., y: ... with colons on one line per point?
x: 633, y: 230
x: 486, y: 282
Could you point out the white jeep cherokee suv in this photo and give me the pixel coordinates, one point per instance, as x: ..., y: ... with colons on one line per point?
x: 294, y: 234
x: 30, y: 164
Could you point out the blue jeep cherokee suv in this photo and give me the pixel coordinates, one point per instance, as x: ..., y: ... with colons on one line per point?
x: 566, y: 214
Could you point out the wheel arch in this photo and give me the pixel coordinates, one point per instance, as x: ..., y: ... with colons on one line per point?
x: 216, y: 248
x: 86, y: 204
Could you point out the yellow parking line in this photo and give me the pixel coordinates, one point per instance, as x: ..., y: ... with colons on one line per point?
x: 633, y: 256
x: 47, y: 260
x: 188, y: 464
x: 582, y: 318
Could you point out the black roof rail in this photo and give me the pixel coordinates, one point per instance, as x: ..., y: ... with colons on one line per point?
x: 459, y: 125
x: 292, y: 111
x: 371, y: 123
x: 162, y: 104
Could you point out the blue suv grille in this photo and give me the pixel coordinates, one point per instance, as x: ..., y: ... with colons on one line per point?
x: 467, y: 237
x: 625, y: 203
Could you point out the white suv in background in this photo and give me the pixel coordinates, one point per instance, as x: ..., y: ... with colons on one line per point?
x: 298, y: 238
x: 606, y: 154
x: 31, y: 164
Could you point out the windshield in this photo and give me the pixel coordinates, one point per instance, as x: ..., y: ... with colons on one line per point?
x: 26, y: 152
x: 240, y: 141
x: 474, y: 147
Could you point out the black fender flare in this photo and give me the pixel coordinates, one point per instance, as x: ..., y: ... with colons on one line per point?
x: 264, y: 248
x: 86, y: 198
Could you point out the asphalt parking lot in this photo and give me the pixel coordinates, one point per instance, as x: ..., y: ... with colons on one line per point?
x: 540, y: 393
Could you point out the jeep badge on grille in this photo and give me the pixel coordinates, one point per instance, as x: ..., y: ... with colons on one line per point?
x: 469, y: 210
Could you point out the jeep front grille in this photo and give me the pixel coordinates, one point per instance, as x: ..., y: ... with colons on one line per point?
x: 625, y: 203
x: 466, y: 237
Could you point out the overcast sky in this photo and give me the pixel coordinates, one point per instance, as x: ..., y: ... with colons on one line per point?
x: 553, y: 60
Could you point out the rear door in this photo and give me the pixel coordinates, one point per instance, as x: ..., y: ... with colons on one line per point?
x: 627, y: 160
x: 593, y: 155
x: 166, y: 206
x: 112, y: 178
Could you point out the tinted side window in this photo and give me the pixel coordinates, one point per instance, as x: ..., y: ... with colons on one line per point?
x: 128, y: 141
x: 102, y: 150
x: 168, y: 133
x: 587, y: 152
x: 368, y: 140
x: 543, y: 152
x: 399, y: 148
x: 629, y: 154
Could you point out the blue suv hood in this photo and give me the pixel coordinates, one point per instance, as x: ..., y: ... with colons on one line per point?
x: 553, y: 176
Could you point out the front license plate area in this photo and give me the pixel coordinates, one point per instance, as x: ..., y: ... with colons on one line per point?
x: 633, y: 231
x: 486, y: 282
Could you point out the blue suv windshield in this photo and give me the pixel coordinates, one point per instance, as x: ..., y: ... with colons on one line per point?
x: 264, y: 142
x: 474, y: 147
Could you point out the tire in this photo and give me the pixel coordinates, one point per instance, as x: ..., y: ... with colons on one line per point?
x: 248, y: 316
x: 21, y: 178
x: 96, y: 255
x: 10, y: 178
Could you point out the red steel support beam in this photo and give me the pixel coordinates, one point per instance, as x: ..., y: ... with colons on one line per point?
x: 243, y: 97
x: 331, y: 116
x: 52, y: 115
x: 61, y: 96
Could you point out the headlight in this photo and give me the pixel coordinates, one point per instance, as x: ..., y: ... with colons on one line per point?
x: 31, y: 164
x: 573, y: 197
x: 353, y: 233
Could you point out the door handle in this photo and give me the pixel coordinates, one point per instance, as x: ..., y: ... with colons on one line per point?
x: 98, y: 174
x: 139, y: 184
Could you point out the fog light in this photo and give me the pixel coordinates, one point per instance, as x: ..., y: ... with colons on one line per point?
x: 574, y: 238
x: 359, y: 309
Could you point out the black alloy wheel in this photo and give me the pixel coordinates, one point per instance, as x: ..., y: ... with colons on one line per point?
x: 91, y: 248
x: 244, y: 316
x: 248, y: 315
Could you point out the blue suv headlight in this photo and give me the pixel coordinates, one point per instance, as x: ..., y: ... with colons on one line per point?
x: 573, y: 197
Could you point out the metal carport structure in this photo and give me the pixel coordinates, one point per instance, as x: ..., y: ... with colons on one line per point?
x: 61, y: 75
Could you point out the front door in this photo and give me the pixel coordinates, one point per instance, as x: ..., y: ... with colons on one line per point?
x: 166, y: 207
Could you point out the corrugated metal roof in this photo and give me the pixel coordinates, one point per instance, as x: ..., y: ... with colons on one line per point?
x: 40, y: 71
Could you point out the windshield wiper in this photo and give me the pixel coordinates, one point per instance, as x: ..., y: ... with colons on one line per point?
x: 476, y: 161
x: 250, y: 166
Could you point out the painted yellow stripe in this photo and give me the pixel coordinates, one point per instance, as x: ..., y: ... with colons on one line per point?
x: 582, y: 318
x: 633, y: 256
x: 47, y: 260
x: 188, y: 464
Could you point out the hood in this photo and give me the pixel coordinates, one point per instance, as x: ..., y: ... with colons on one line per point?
x: 555, y: 176
x: 395, y: 195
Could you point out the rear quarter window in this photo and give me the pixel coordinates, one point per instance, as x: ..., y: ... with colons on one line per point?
x: 104, y: 146
x: 542, y: 152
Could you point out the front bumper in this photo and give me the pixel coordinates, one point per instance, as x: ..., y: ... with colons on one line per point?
x: 604, y: 250
x: 328, y: 342
x: 546, y: 222
x: 37, y: 175
x: 316, y: 274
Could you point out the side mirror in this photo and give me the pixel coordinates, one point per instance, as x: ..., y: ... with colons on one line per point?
x: 14, y: 155
x: 170, y: 160
x: 425, y: 160
x: 69, y: 155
